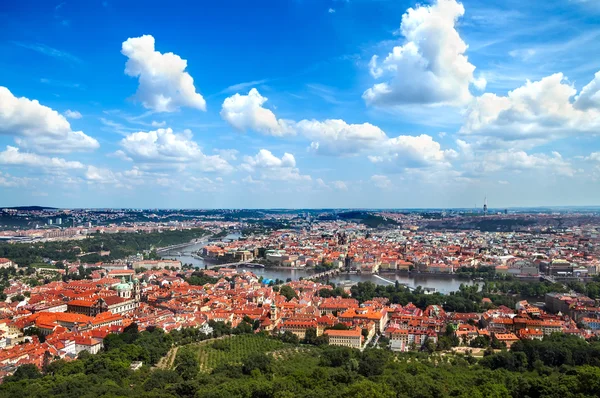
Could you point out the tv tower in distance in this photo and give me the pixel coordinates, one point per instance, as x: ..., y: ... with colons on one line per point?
x: 485, y: 208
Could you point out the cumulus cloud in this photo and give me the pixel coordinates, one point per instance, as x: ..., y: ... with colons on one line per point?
x: 13, y: 157
x: 431, y: 66
x: 265, y: 159
x: 125, y: 179
x: 270, y: 167
x: 333, y: 137
x: 485, y: 162
x: 594, y: 156
x: 589, y: 97
x: 39, y: 127
x: 73, y: 114
x: 336, y: 137
x: 100, y: 175
x: 164, y: 85
x: 246, y: 112
x: 165, y: 147
x: 406, y: 152
x: 533, y: 114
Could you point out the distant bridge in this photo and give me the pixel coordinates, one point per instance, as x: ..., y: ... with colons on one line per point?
x: 410, y: 288
x: 325, y: 274
x: 173, y: 247
x: 548, y: 278
x: 564, y: 278
x: 234, y: 265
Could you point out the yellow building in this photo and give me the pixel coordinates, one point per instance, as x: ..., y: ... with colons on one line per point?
x: 346, y: 338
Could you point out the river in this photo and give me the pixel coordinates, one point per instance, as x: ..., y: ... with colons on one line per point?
x: 442, y: 284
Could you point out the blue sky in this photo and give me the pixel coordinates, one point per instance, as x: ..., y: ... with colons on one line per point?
x: 323, y: 103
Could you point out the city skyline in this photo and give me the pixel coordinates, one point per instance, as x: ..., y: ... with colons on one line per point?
x: 300, y: 104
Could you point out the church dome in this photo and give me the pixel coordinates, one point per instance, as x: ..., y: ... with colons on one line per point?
x: 123, y: 285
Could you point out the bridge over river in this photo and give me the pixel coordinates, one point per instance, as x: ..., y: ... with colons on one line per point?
x: 234, y: 265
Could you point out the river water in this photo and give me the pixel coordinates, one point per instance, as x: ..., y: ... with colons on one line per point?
x: 442, y: 284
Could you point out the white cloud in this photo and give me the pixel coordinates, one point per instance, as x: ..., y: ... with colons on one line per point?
x: 287, y: 174
x: 533, y: 114
x: 375, y: 70
x: 158, y: 124
x: 265, y: 159
x: 321, y: 183
x: 405, y: 152
x: 73, y: 114
x: 203, y: 184
x: 99, y: 175
x: 594, y: 156
x: 228, y: 154
x: 431, y: 66
x: 38, y: 127
x: 333, y: 137
x: 163, y: 146
x: 246, y: 112
x: 250, y: 180
x: 9, y: 181
x: 271, y: 167
x: 589, y: 97
x: 336, y: 137
x: 160, y: 145
x: 127, y: 178
x: 331, y: 11
x: 164, y: 85
x: 13, y: 157
x: 517, y: 161
x: 339, y: 185
x: 381, y: 181
x: 524, y: 54
x: 134, y: 172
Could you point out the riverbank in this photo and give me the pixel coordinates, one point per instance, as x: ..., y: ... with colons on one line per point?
x: 442, y: 283
x: 182, y: 245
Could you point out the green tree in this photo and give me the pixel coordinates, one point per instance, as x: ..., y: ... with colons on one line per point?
x: 257, y: 361
x: 289, y: 337
x: 372, y: 362
x: 25, y: 372
x: 287, y: 292
x: 186, y: 364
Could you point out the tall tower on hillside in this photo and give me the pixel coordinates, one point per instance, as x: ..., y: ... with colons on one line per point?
x: 136, y: 291
x: 274, y: 313
x: 485, y: 209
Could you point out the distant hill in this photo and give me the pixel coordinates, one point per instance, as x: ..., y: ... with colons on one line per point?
x: 366, y: 218
x: 31, y: 208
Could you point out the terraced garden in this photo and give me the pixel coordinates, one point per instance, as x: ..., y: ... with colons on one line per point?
x: 233, y: 350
